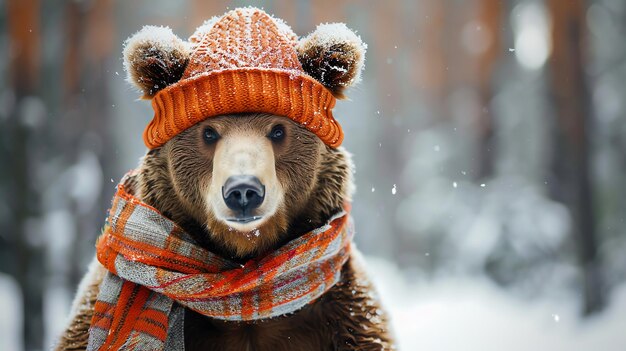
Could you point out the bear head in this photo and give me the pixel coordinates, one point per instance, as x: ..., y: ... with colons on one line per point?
x: 245, y: 183
x: 305, y: 182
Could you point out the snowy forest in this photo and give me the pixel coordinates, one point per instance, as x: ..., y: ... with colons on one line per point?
x: 489, y: 138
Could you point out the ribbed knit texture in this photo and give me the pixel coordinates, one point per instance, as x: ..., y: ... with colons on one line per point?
x: 245, y: 61
x: 155, y: 268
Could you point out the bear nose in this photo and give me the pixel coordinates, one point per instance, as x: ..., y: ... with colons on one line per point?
x: 243, y: 193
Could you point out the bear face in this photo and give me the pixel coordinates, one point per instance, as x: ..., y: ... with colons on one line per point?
x: 293, y: 182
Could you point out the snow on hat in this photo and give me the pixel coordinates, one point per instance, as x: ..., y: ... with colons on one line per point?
x: 243, y: 61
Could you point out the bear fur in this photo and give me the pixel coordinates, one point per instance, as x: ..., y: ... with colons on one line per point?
x: 334, y: 55
x: 318, y: 182
x: 154, y: 58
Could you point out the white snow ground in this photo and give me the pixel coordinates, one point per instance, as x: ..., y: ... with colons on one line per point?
x: 473, y: 314
x: 446, y: 314
x: 10, y: 314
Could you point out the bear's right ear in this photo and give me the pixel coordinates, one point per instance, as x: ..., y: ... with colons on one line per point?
x: 154, y: 58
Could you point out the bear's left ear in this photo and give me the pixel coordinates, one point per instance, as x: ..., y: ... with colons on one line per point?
x: 334, y: 55
x: 154, y: 58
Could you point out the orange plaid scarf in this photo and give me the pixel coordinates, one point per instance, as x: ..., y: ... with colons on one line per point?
x: 155, y: 268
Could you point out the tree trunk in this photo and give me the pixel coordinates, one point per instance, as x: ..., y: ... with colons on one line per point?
x: 24, y: 43
x: 87, y: 107
x: 490, y: 18
x: 571, y: 165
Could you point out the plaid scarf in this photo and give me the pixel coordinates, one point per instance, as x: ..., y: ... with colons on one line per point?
x: 155, y: 269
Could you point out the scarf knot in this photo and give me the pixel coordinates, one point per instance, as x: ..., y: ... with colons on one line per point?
x: 156, y: 268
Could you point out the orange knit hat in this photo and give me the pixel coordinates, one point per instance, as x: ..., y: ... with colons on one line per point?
x: 244, y: 61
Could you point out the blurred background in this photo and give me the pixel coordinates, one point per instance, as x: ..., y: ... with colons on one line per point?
x: 489, y: 139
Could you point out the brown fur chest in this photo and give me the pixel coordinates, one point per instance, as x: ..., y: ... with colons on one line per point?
x: 303, y: 330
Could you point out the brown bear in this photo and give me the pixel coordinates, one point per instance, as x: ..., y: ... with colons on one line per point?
x: 234, y: 233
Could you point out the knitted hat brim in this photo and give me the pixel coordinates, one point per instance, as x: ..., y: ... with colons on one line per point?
x: 291, y: 94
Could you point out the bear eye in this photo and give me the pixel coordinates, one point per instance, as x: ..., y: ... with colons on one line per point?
x: 277, y: 133
x: 210, y: 136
